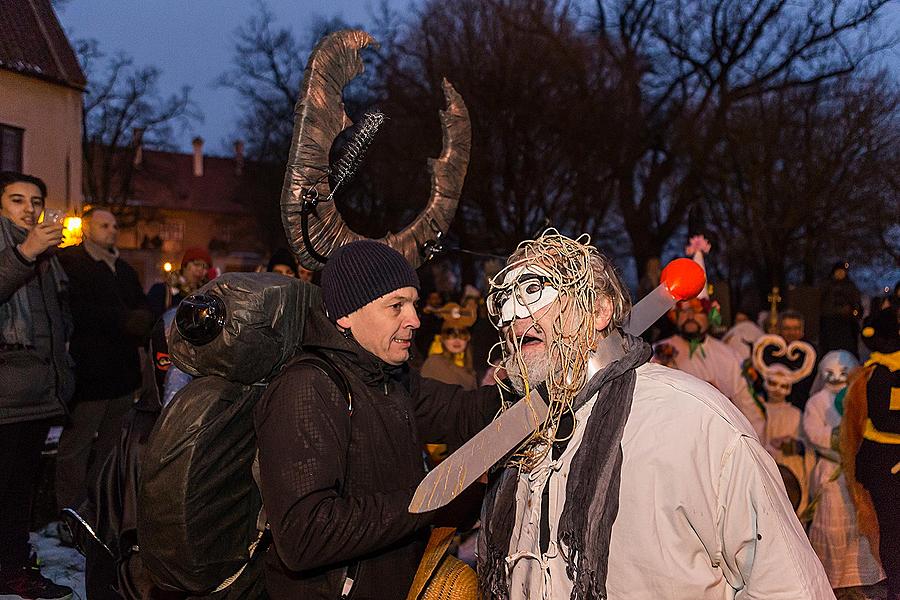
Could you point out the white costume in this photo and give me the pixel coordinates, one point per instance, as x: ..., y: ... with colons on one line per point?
x: 718, y: 365
x: 783, y: 434
x: 845, y: 553
x: 702, y: 510
x: 783, y: 424
x: 741, y: 336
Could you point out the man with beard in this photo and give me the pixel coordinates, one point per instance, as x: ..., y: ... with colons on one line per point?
x: 693, y: 351
x: 643, y: 482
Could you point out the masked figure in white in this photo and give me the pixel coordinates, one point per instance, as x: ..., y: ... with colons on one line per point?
x: 783, y: 436
x: 643, y: 482
x: 834, y: 534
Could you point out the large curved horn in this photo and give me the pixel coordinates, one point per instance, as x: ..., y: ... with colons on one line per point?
x: 320, y: 118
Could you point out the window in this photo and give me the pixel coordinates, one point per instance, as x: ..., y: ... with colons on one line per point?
x: 10, y: 148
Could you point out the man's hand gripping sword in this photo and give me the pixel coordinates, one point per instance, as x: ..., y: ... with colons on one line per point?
x: 682, y: 279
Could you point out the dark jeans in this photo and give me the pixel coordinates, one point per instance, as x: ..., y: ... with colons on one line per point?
x: 20, y: 457
x: 93, y: 430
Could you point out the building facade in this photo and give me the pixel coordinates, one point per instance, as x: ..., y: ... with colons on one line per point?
x: 41, y: 86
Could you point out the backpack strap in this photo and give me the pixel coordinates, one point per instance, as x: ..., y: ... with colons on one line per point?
x: 320, y: 361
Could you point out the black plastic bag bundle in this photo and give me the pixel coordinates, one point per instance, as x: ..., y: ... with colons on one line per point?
x: 198, y: 502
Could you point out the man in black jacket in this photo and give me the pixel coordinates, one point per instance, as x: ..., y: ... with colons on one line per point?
x: 336, y: 480
x: 112, y: 320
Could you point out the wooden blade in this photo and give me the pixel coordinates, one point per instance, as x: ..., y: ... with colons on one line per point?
x: 475, y: 457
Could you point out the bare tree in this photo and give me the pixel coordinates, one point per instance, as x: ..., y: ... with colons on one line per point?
x: 120, y: 98
x: 806, y: 178
x: 266, y: 73
x: 536, y: 93
x: 686, y: 67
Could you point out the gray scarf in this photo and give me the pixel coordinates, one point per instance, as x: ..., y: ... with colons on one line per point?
x: 15, y: 314
x: 99, y: 253
x: 592, y: 490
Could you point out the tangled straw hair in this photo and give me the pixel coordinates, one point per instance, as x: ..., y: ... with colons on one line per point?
x: 584, y: 280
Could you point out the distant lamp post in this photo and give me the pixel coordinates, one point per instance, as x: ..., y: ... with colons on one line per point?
x: 72, y: 234
x: 167, y: 267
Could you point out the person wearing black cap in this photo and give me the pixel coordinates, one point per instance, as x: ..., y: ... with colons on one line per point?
x: 336, y: 479
x: 870, y: 441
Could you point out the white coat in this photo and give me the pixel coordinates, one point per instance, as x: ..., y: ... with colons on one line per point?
x: 703, y: 514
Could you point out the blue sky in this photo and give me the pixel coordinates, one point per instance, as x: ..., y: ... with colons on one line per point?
x: 191, y: 42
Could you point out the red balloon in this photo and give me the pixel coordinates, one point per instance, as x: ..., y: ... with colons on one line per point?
x: 683, y: 278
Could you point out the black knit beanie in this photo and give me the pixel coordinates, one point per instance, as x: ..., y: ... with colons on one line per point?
x: 360, y: 272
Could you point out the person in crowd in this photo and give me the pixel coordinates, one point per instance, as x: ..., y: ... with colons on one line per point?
x: 741, y: 336
x: 845, y: 553
x: 336, y: 480
x: 792, y: 327
x: 430, y: 323
x: 643, y: 482
x: 781, y: 365
x: 194, y: 272
x: 841, y: 311
x: 283, y: 262
x: 694, y: 351
x: 112, y: 320
x: 870, y: 441
x: 453, y: 364
x: 36, y: 378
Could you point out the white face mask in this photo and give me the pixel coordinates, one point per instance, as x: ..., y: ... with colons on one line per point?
x: 524, y: 291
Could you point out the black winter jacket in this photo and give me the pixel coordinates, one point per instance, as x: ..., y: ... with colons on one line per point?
x: 336, y: 485
x: 112, y: 319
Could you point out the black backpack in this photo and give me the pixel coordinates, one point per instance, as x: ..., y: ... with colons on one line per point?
x: 199, y: 507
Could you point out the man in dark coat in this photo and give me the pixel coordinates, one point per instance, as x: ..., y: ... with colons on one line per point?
x: 36, y: 377
x: 111, y: 321
x: 336, y: 480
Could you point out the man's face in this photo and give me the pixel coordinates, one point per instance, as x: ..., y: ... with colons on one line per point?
x: 791, y: 329
x: 691, y: 320
x: 386, y: 326
x: 102, y: 229
x: 194, y: 272
x: 22, y: 203
x: 527, y: 314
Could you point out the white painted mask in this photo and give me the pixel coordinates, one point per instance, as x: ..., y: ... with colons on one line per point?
x: 778, y: 383
x: 835, y: 367
x: 524, y: 291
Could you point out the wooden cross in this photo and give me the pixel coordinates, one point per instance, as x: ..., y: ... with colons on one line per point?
x: 774, y: 298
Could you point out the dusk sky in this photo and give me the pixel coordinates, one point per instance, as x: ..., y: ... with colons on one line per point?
x: 191, y: 42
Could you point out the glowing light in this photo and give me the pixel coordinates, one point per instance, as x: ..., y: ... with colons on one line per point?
x: 167, y: 267
x: 72, y: 234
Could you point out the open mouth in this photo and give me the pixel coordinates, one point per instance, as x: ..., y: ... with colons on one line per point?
x: 402, y: 341
x: 530, y: 340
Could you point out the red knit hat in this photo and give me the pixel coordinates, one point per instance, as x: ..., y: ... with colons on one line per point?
x: 196, y: 254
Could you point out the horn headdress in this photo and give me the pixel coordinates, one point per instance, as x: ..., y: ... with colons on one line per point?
x: 319, y: 118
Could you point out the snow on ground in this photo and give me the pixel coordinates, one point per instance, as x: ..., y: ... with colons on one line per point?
x: 62, y: 565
